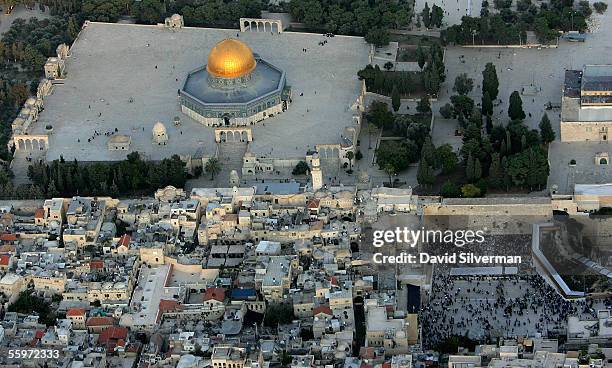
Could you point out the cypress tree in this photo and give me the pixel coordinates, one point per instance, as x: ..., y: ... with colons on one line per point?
x: 546, y: 131
x: 395, y: 99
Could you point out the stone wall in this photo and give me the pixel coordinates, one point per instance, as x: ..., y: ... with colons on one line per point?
x: 585, y: 131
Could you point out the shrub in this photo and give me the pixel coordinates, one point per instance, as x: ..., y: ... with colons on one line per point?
x: 600, y: 7
x: 301, y: 168
x: 470, y: 191
x: 449, y: 190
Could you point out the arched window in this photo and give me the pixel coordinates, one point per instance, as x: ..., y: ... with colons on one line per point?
x: 603, y: 161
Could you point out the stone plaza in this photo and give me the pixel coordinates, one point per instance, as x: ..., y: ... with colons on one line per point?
x: 121, y: 79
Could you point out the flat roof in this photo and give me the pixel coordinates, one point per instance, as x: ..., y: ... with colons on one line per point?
x: 127, y: 77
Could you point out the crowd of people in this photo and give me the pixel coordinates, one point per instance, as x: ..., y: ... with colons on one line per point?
x: 484, y: 308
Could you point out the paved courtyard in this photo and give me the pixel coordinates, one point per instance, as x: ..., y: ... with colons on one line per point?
x: 20, y: 12
x: 124, y: 78
x: 517, y: 306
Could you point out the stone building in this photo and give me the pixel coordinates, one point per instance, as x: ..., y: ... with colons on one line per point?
x: 586, y: 109
x: 234, y: 88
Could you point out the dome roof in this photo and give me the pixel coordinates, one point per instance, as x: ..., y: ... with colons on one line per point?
x: 159, y: 128
x: 230, y: 58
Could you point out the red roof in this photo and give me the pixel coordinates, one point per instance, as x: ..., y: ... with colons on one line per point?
x: 5, y: 259
x: 39, y: 334
x: 75, y: 312
x: 333, y: 280
x: 96, y: 264
x: 100, y: 321
x: 39, y: 213
x: 8, y: 248
x: 323, y: 309
x: 366, y: 352
x: 313, y: 203
x: 125, y: 240
x: 217, y: 294
x: 8, y: 237
x: 112, y: 335
x: 169, y: 305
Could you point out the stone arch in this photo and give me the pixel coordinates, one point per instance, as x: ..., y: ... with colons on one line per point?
x: 260, y: 25
x: 603, y: 161
x: 29, y: 143
x: 233, y: 134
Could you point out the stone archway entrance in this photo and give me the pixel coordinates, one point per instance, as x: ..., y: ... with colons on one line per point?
x: 261, y: 25
x: 233, y: 134
x: 31, y: 143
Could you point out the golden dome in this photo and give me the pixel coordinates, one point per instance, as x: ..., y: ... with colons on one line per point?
x: 230, y: 58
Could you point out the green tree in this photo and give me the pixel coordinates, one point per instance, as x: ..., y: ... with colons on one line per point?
x: 490, y: 83
x: 395, y: 99
x: 390, y: 170
x: 380, y: 115
x: 600, y: 7
x: 102, y: 10
x: 149, y: 11
x: 469, y: 167
x: 473, y: 168
x: 301, y: 168
x: 463, y: 106
x: 350, y: 155
x: 378, y: 37
x: 449, y: 190
x: 496, y: 171
x: 470, y: 191
x: 487, y: 104
x: 424, y: 106
x: 213, y: 167
x: 546, y: 131
x: 446, y: 111
x: 477, y: 169
x: 425, y: 175
x: 426, y: 16
x: 463, y: 84
x: 421, y: 56
x: 437, y: 14
x: 398, y: 154
x: 447, y: 158
x: 528, y: 168
x: 73, y: 27
x: 515, y: 109
x: 428, y: 152
x: 278, y: 314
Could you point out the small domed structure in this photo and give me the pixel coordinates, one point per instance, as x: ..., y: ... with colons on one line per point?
x: 160, y: 136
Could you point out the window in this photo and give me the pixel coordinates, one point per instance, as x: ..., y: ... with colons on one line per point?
x: 603, y: 161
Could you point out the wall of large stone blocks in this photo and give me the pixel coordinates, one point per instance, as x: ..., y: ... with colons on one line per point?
x: 497, y: 219
x: 580, y: 132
